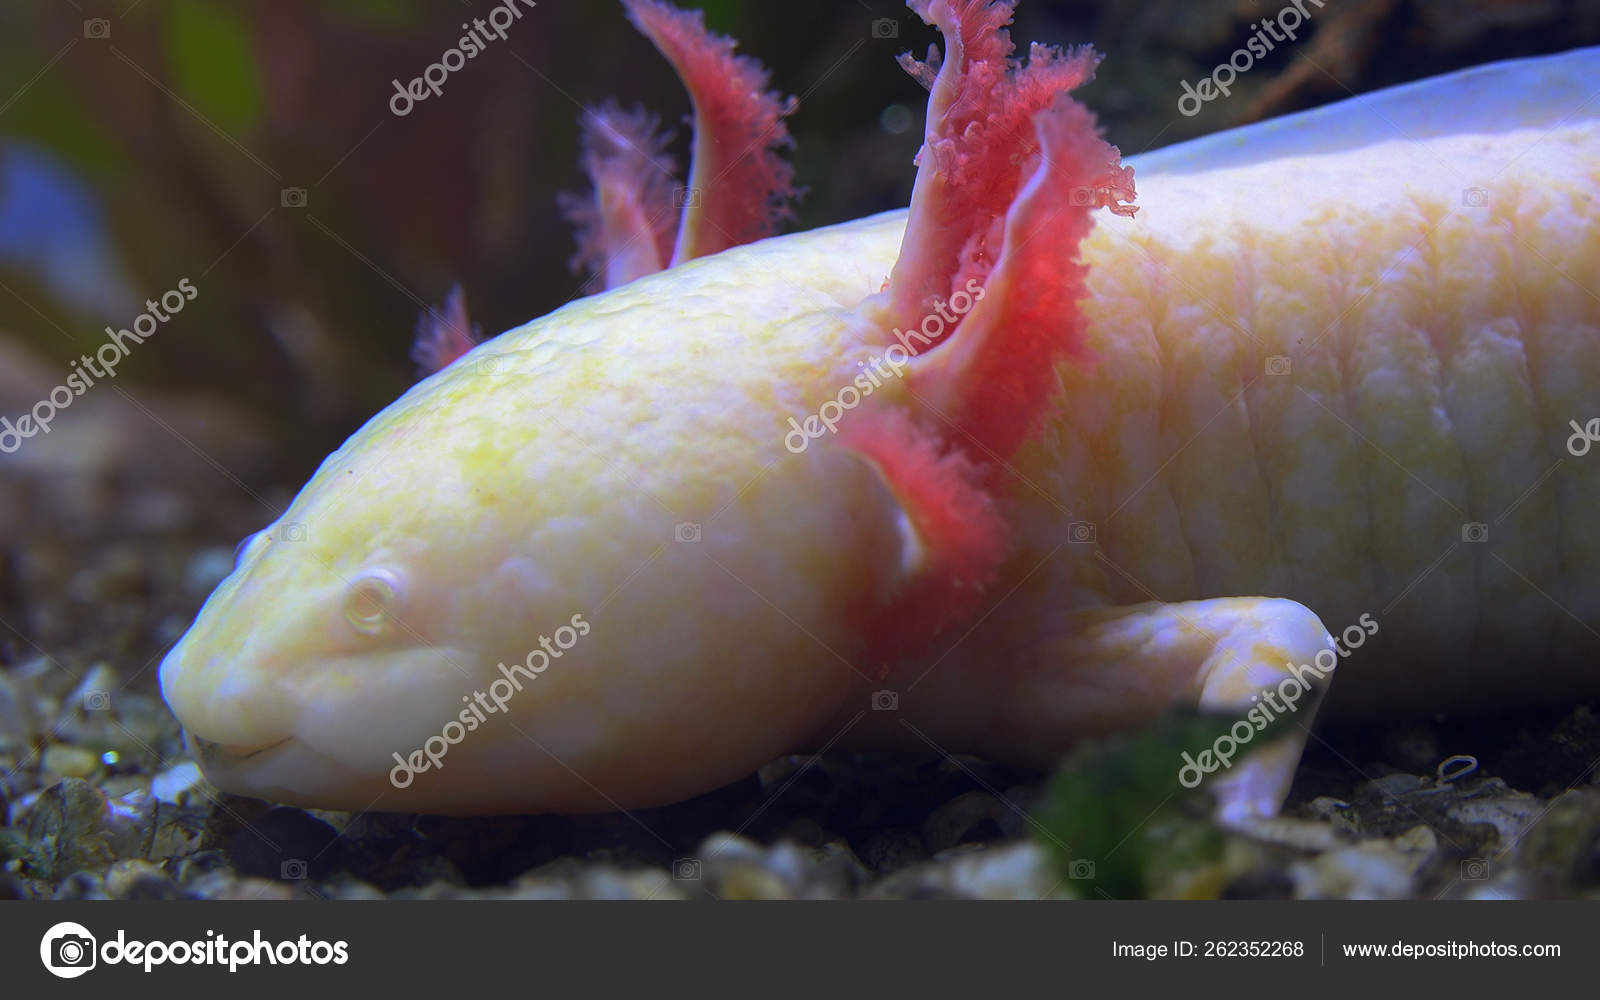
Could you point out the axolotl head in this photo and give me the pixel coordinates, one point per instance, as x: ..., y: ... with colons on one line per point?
x: 636, y: 548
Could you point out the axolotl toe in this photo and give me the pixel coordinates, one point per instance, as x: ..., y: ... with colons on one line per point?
x: 1027, y: 463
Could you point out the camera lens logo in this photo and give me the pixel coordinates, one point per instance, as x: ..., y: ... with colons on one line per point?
x: 68, y: 950
x: 686, y: 869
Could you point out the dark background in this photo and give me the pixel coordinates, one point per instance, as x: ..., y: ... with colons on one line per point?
x: 161, y: 151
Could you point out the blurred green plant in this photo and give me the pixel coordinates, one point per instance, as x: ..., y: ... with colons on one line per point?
x: 214, y: 63
x: 1117, y: 822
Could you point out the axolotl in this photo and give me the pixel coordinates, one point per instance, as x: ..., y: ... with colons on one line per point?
x: 1068, y: 442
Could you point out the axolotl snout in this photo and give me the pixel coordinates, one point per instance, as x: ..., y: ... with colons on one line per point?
x: 1012, y: 468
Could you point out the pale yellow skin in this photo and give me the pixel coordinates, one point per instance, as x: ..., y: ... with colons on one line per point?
x: 1437, y: 350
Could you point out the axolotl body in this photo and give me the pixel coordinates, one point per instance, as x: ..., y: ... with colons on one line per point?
x: 1307, y: 413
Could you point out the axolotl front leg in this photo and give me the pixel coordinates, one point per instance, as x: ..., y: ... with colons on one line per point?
x: 1029, y: 684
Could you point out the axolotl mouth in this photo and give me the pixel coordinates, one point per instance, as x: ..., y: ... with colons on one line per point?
x: 255, y: 767
x: 283, y: 769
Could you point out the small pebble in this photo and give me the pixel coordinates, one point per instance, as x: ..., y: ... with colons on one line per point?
x: 891, y: 849
x: 171, y: 784
x: 954, y: 822
x: 18, y: 726
x: 96, y: 692
x: 1396, y: 785
x: 745, y: 881
x: 137, y: 879
x: 70, y: 762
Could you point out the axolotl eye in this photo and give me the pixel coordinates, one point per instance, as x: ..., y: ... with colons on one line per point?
x: 372, y: 603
